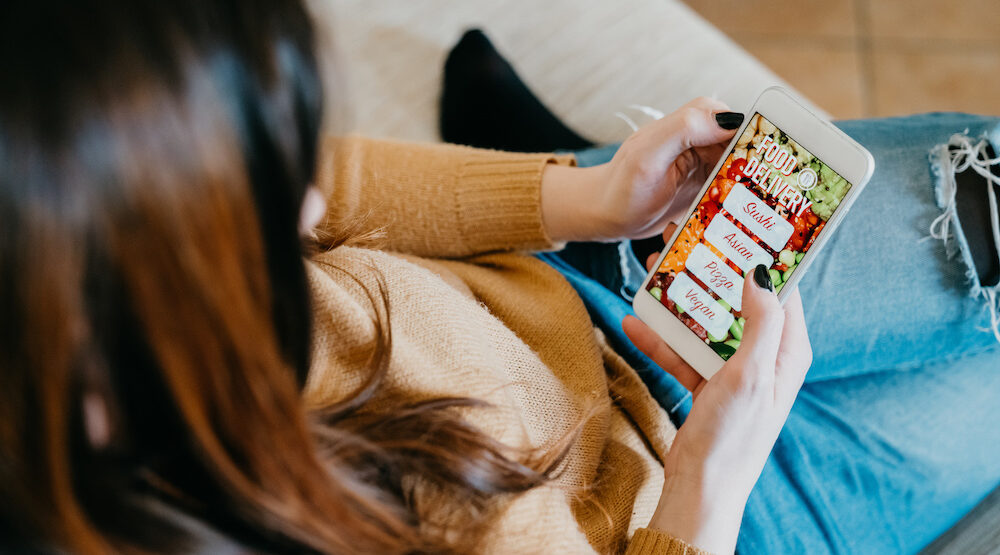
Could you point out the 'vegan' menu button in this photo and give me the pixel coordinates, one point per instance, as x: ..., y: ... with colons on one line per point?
x: 700, y: 305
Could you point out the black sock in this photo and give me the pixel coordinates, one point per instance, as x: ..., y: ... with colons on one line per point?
x: 485, y: 104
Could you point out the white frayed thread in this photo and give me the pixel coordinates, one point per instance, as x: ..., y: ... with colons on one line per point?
x: 653, y: 113
x: 954, y: 161
x: 624, y: 254
x: 648, y: 110
x: 628, y: 121
x: 994, y: 300
x: 959, y: 155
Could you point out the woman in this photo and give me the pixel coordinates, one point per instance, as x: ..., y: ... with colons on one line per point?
x: 177, y: 378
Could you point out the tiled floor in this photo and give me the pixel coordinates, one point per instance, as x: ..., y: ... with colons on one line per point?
x: 860, y: 58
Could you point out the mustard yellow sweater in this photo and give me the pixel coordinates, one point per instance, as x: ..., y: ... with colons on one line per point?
x: 472, y: 315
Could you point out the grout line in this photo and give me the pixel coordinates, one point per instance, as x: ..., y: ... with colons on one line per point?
x: 863, y: 43
x: 875, y: 43
x: 937, y: 45
x: 784, y: 39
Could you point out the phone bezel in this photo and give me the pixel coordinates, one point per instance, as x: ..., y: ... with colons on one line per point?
x: 823, y: 140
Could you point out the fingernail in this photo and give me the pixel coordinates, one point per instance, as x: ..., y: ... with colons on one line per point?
x: 729, y: 120
x: 763, y: 278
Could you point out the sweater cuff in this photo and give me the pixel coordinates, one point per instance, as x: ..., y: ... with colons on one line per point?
x: 499, y: 202
x: 652, y: 542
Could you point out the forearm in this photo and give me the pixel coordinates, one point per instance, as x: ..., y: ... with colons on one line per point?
x: 691, y: 510
x: 436, y: 200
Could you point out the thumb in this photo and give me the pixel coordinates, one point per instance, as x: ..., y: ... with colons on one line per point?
x: 765, y: 320
x: 701, y: 122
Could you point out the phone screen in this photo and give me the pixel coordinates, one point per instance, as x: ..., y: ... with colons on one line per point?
x: 767, y: 205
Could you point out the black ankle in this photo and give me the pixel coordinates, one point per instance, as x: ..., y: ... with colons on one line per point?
x: 485, y: 104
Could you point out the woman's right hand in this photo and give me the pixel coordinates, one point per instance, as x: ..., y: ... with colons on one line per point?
x: 720, y: 451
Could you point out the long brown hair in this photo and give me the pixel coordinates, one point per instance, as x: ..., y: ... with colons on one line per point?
x: 153, y: 159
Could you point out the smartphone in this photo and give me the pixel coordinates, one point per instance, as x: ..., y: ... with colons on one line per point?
x: 782, y: 188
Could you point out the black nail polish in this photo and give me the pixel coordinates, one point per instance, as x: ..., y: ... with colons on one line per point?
x: 729, y: 120
x: 763, y: 278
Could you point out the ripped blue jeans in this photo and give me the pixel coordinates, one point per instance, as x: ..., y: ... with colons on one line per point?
x: 896, y: 432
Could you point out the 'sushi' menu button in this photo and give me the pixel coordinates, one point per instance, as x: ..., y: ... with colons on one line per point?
x: 760, y: 219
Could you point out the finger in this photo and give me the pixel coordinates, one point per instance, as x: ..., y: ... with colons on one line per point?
x: 684, y: 196
x: 669, y: 231
x: 651, y: 261
x: 795, y: 352
x: 643, y: 337
x: 693, y: 125
x: 765, y: 322
x: 709, y: 103
x: 709, y: 155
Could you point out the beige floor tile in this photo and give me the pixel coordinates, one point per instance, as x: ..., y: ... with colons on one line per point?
x: 908, y: 80
x: 799, y: 18
x: 828, y: 75
x: 976, y: 20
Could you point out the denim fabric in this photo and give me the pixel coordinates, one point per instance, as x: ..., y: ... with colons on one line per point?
x: 965, y: 153
x: 894, y: 435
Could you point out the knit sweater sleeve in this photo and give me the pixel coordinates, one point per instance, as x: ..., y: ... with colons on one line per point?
x: 435, y: 200
x: 651, y: 542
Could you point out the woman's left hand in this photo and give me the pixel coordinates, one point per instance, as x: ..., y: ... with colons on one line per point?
x: 651, y: 179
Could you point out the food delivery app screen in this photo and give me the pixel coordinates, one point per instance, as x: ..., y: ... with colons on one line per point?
x: 767, y: 205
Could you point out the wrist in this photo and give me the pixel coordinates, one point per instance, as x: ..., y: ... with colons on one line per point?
x: 700, y: 514
x: 573, y: 204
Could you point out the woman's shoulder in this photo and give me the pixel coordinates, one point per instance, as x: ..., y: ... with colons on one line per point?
x: 339, y: 264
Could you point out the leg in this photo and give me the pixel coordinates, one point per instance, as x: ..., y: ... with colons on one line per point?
x: 880, y: 463
x: 882, y: 296
x: 485, y: 104
x: 874, y: 459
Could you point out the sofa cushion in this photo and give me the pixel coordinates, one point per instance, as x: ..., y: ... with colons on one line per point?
x: 586, y: 59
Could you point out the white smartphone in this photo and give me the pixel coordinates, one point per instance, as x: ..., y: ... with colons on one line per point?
x: 784, y: 184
